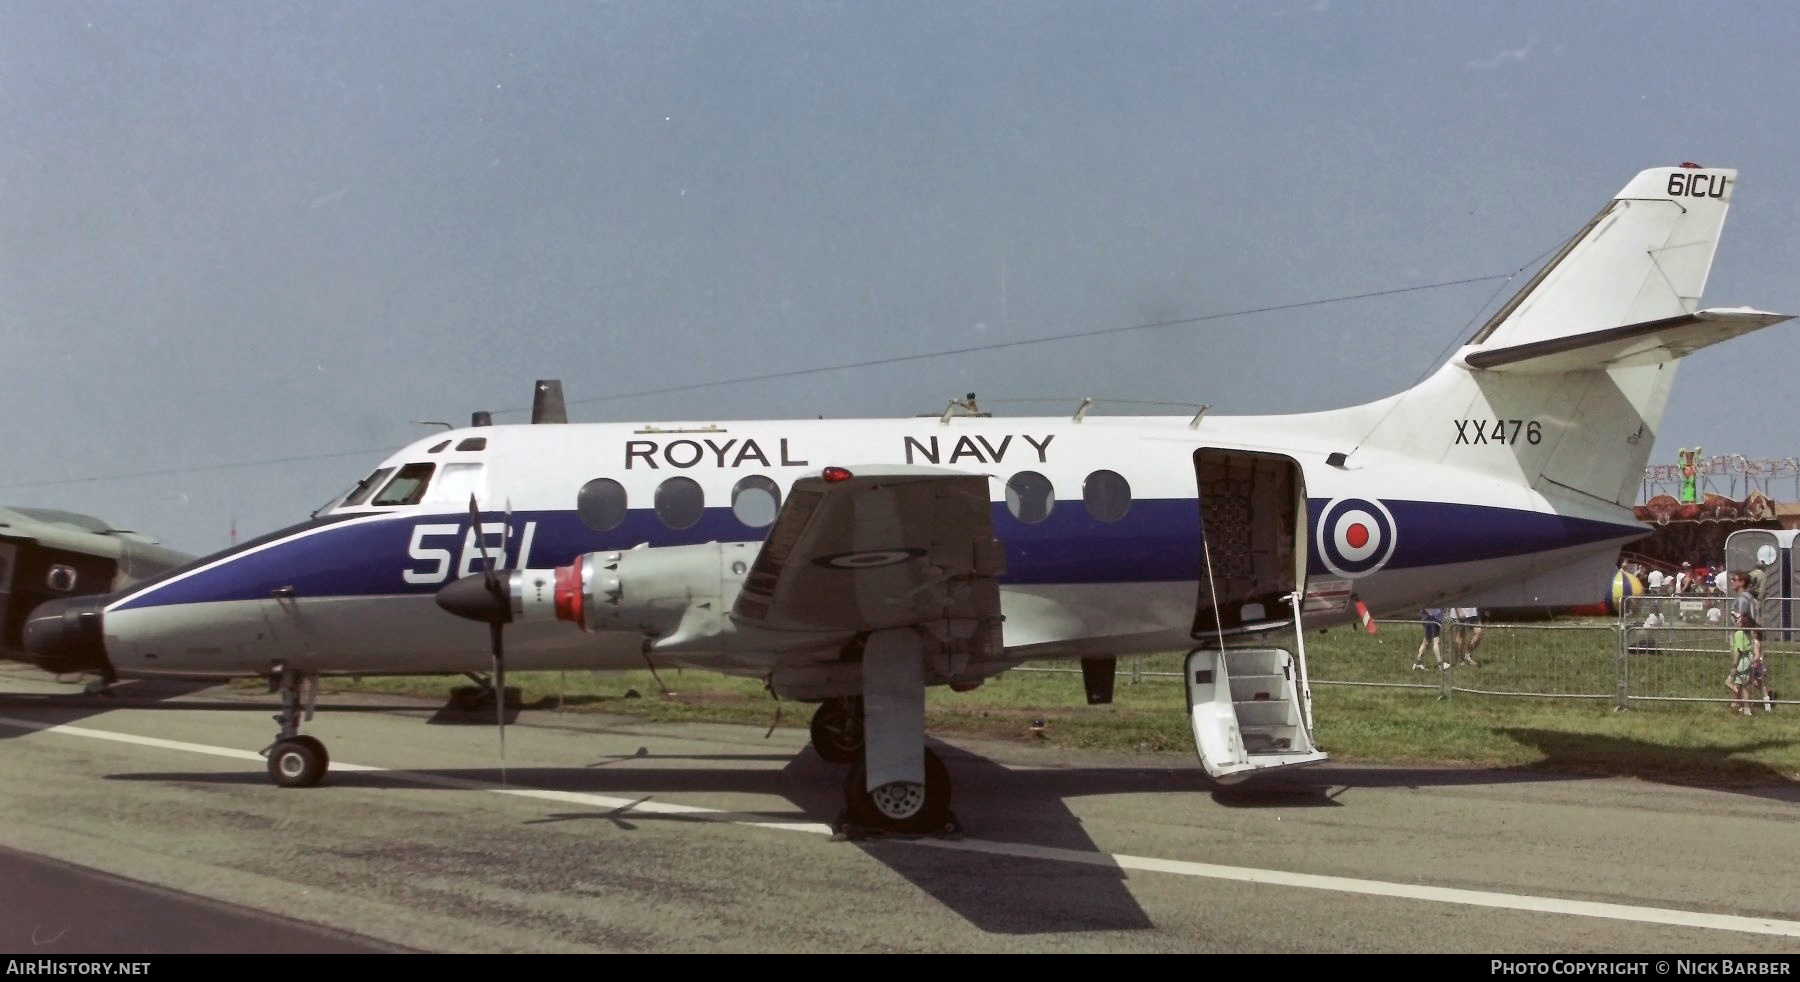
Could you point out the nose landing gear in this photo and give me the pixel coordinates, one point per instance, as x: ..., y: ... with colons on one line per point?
x: 296, y: 761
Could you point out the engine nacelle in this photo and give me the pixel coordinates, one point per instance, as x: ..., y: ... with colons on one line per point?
x: 650, y: 590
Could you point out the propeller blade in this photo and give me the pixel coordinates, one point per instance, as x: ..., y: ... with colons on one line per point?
x: 500, y: 693
x: 480, y: 534
x: 497, y: 611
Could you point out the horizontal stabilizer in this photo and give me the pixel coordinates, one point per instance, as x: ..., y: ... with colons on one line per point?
x: 1650, y: 343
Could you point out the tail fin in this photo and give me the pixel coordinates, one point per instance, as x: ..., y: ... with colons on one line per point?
x: 1564, y: 388
x: 1645, y: 257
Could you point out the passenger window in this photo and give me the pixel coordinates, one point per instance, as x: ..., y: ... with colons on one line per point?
x: 680, y: 502
x: 1107, y: 495
x: 755, y: 501
x: 408, y: 486
x: 361, y: 492
x: 601, y: 504
x: 1030, y: 497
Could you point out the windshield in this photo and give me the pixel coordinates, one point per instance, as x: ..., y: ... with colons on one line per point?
x: 407, y: 487
x: 358, y: 494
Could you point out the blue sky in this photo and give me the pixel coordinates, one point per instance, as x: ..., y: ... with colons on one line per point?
x: 249, y: 231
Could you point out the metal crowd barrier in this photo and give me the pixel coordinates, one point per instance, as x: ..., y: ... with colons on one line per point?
x: 1680, y: 656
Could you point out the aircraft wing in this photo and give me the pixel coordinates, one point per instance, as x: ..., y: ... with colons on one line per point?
x: 1648, y: 343
x: 879, y: 547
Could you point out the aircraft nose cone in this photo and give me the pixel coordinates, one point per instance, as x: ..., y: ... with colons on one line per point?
x: 470, y: 597
x: 65, y: 635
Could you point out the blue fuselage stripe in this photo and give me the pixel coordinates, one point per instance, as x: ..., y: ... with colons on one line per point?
x: 1156, y: 541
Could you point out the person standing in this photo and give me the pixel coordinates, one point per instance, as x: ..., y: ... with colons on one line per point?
x: 1743, y: 604
x: 1468, y: 634
x: 1433, y: 620
x: 1743, y: 657
x: 1762, y: 587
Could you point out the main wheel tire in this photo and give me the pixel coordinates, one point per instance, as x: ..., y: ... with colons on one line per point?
x: 298, y: 763
x: 904, y: 808
x: 837, y: 731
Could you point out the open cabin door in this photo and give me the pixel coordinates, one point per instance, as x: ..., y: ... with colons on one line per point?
x: 1253, y: 550
x: 1250, y: 707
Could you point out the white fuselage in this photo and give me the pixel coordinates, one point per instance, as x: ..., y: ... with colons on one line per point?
x: 1102, y: 537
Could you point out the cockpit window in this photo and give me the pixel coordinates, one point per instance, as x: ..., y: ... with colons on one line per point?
x: 407, y: 487
x: 456, y: 483
x: 473, y: 443
x: 361, y: 492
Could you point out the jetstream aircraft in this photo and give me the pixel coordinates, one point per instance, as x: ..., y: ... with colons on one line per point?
x: 855, y: 563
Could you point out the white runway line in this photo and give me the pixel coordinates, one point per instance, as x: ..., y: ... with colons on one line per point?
x: 1241, y: 874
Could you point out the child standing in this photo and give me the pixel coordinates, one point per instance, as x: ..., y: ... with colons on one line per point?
x: 1743, y: 655
x: 1759, y: 680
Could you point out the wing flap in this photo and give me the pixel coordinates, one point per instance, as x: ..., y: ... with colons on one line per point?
x: 887, y: 547
x: 1647, y: 343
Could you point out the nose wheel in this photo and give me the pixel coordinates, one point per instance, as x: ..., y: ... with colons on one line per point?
x: 296, y: 761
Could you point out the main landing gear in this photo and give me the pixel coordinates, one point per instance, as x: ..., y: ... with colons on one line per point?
x: 896, y: 784
x: 903, y: 807
x: 837, y: 729
x: 296, y: 761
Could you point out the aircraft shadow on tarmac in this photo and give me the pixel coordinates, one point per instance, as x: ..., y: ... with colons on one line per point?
x: 1715, y: 768
x: 1017, y: 806
x: 165, y: 693
x: 1026, y: 805
x: 76, y: 704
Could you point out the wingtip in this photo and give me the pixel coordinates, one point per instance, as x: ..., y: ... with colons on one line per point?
x: 1739, y: 313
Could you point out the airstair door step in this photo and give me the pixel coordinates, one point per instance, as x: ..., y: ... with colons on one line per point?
x: 1246, y: 711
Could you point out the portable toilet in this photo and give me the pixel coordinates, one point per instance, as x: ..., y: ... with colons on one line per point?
x: 1772, y: 549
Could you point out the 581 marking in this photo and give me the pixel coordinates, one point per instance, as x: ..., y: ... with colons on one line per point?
x: 1502, y: 431
x: 493, y: 536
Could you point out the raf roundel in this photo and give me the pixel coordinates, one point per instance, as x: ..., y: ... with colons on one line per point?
x: 1355, y: 536
x: 868, y: 559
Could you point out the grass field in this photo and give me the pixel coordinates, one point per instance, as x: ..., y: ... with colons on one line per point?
x: 1369, y: 704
